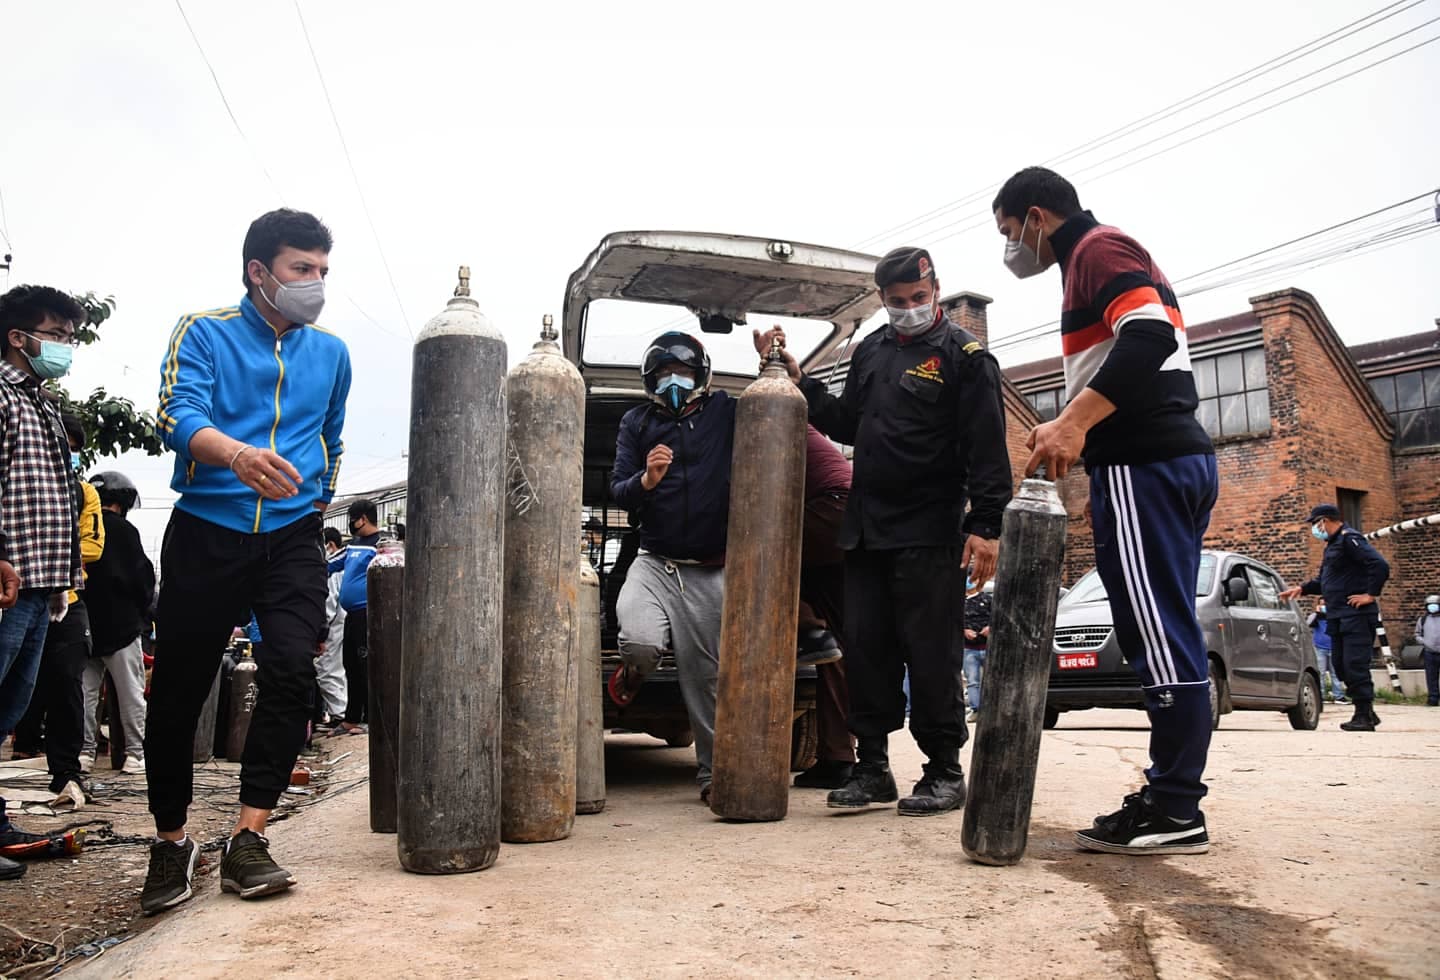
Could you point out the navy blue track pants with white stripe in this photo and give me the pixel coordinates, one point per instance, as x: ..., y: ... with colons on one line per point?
x: 1149, y: 521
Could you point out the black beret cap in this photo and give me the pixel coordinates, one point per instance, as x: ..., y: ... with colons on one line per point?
x: 1323, y: 510
x: 903, y: 265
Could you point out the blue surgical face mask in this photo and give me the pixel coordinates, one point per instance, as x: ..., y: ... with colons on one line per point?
x: 917, y: 319
x: 1433, y: 607
x: 675, y: 389
x: 75, y: 462
x: 1319, y: 532
x: 53, y: 361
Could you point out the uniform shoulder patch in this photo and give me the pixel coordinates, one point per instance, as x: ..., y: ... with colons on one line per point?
x: 973, y: 347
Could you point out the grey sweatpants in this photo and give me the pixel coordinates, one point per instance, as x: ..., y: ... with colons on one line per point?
x: 127, y: 673
x: 668, y: 607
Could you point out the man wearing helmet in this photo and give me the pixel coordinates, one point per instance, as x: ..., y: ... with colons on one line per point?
x: 119, y: 591
x: 1427, y: 634
x: 672, y: 474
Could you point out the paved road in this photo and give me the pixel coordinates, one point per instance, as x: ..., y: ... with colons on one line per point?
x: 1325, y: 864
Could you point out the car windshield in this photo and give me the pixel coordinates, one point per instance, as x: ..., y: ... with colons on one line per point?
x: 617, y: 333
x: 1091, y: 589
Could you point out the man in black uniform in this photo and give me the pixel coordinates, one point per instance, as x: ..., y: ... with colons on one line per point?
x: 1351, y: 577
x: 922, y: 408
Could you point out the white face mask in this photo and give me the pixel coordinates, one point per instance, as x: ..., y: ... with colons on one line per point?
x: 912, y: 321
x: 298, y: 302
x: 1022, y: 261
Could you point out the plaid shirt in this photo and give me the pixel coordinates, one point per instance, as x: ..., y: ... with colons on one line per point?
x: 39, y: 517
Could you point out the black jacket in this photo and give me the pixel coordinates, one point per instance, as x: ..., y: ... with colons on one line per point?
x: 1351, y: 566
x: 687, y: 515
x: 120, y: 588
x: 928, y: 427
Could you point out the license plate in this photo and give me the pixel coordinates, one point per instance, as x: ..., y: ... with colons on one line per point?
x: 1078, y: 661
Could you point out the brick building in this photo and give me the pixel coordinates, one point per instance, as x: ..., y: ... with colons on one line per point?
x: 1297, y: 419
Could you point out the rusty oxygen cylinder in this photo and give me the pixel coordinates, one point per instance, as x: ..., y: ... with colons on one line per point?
x: 206, y: 735
x: 756, y: 697
x: 385, y: 627
x: 1017, y: 675
x: 448, y: 773
x: 590, y: 703
x: 243, y: 692
x: 546, y: 401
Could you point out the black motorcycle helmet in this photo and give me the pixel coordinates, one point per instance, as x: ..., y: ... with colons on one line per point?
x: 674, y: 347
x: 116, y: 488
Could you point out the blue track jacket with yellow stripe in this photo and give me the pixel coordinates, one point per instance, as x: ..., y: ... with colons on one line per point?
x: 281, y: 390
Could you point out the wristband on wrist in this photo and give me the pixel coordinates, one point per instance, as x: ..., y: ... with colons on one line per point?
x: 238, y: 453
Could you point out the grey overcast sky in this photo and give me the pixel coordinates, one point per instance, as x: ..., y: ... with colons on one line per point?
x: 512, y: 137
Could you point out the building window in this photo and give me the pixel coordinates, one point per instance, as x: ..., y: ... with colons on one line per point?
x: 1412, y: 400
x: 1048, y: 402
x: 1234, y: 395
x: 1352, y: 506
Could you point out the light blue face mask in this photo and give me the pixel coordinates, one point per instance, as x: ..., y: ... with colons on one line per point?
x: 1319, y: 532
x: 1433, y: 607
x: 75, y: 462
x: 675, y: 389
x: 53, y: 361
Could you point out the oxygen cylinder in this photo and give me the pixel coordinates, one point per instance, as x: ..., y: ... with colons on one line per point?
x: 756, y: 697
x: 1017, y: 674
x: 590, y: 704
x: 205, y: 734
x: 242, y: 706
x: 448, y: 778
x: 546, y: 401
x: 385, y: 626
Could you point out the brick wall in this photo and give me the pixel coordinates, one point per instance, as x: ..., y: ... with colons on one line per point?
x: 1417, y: 553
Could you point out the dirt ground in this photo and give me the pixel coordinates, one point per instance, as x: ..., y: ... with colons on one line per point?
x: 1324, y: 864
x: 85, y: 903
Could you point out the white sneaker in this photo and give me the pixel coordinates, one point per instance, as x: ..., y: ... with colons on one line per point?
x: 87, y: 762
x: 972, y: 717
x: 133, y: 766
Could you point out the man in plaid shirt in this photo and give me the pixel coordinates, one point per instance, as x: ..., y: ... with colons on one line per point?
x: 39, y: 542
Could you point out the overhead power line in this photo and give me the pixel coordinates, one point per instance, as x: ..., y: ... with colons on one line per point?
x: 1204, y: 95
x: 226, y: 102
x: 981, y: 219
x: 354, y: 176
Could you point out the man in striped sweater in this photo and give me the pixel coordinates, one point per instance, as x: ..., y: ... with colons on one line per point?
x: 1131, y: 419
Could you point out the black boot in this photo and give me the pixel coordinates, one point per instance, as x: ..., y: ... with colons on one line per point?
x: 1363, y: 720
x: 870, y: 780
x: 941, y: 789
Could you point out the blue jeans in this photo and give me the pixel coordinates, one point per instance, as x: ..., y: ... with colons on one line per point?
x: 974, y: 667
x: 1337, y: 686
x: 22, y: 639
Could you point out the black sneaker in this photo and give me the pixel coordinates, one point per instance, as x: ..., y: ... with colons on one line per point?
x: 248, y: 870
x: 825, y: 774
x: 1139, y: 827
x: 940, y: 790
x: 869, y: 783
x: 172, y: 868
x: 11, y: 870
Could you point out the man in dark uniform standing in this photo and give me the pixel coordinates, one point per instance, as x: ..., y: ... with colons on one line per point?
x: 922, y: 407
x: 1351, y: 577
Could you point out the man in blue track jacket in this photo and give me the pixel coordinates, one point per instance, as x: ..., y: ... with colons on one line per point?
x: 252, y: 401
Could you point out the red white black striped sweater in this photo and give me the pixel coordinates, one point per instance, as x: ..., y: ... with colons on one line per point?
x: 1122, y: 334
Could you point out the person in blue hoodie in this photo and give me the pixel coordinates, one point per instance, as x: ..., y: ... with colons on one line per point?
x: 252, y: 402
x: 354, y: 563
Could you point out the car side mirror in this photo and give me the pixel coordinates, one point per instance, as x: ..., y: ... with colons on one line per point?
x: 1236, y: 590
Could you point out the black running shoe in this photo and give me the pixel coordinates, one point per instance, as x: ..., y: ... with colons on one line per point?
x: 1139, y: 827
x: 11, y: 870
x: 817, y: 646
x: 248, y: 870
x: 172, y: 868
